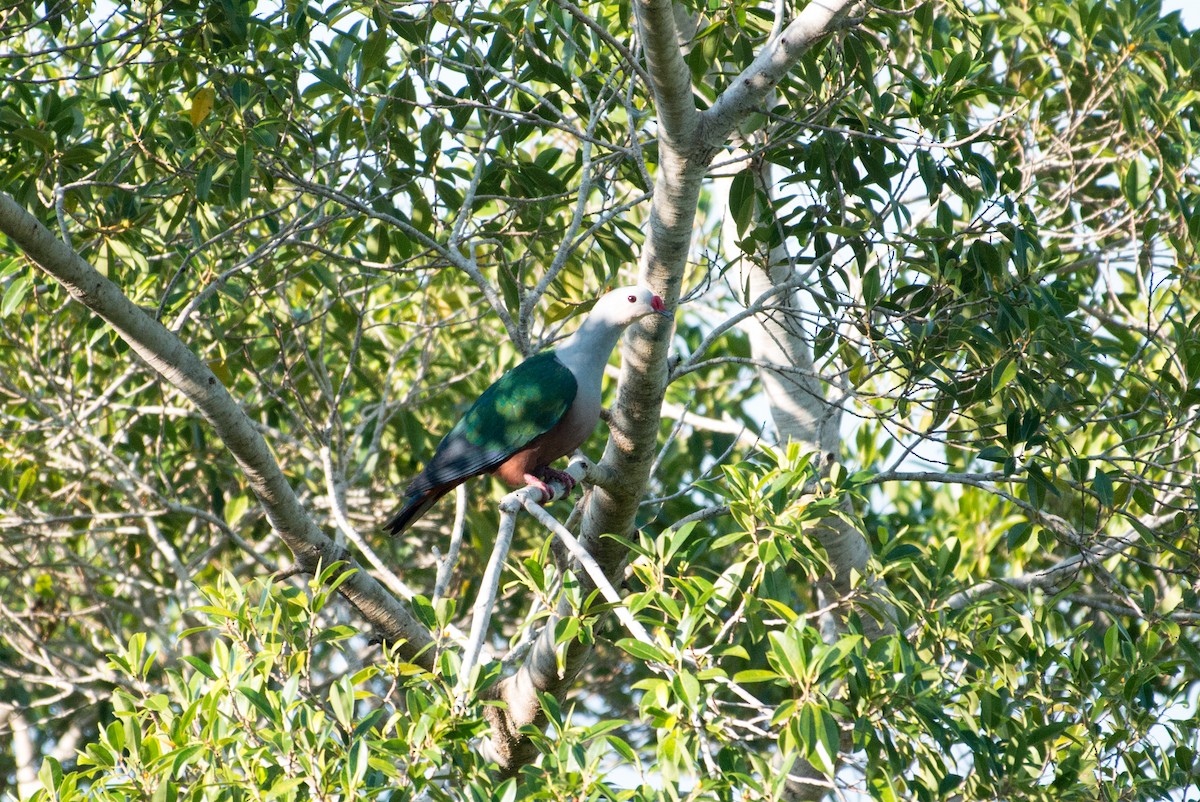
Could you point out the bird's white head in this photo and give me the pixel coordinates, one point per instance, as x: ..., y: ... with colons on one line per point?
x: 586, y: 352
x: 624, y: 305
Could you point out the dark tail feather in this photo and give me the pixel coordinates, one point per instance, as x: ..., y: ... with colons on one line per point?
x: 414, y: 507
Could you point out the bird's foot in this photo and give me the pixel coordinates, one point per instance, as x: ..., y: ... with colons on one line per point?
x: 552, y: 475
x: 546, y: 475
x: 535, y: 482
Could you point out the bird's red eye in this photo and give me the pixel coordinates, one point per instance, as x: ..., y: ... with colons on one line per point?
x: 632, y: 299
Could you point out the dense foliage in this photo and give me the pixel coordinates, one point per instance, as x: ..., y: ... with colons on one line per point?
x: 980, y: 221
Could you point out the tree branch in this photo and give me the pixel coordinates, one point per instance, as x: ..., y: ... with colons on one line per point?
x: 182, y: 369
x: 670, y: 80
x: 748, y: 91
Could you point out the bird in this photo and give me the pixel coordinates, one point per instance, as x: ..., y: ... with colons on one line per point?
x: 539, y: 411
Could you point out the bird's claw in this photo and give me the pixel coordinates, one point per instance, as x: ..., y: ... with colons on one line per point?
x: 553, y: 475
x: 550, y: 475
x: 533, y: 481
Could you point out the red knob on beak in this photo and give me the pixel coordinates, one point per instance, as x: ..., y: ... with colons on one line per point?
x: 657, y: 305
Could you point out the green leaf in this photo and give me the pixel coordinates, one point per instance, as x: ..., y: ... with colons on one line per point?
x: 375, y: 48
x: 821, y: 736
x: 1136, y: 184
x: 644, y: 651
x: 40, y: 139
x: 341, y: 701
x: 185, y: 756
x: 50, y: 774
x: 623, y: 749
x: 993, y: 454
x: 28, y: 477
x: 742, y: 200
x: 14, y: 296
x: 985, y: 256
x: 1112, y: 643
x: 236, y: 507
x: 357, y: 762
x: 786, y: 653
x: 260, y: 701
x: 567, y: 629
x: 1144, y: 500
x: 1017, y: 535
x: 870, y: 285
x: 957, y: 68
x: 1003, y: 373
x: 688, y: 688
x: 1103, y: 487
x: 332, y: 80
x: 678, y: 538
x: 782, y: 610
x: 98, y: 754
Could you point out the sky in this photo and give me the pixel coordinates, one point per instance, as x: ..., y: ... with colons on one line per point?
x: 1190, y: 9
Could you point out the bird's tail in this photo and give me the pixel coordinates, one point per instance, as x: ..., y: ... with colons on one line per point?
x: 415, y: 505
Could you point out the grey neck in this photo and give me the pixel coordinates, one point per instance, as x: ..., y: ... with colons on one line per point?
x: 586, y: 352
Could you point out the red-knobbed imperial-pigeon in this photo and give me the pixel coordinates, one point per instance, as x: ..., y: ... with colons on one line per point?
x: 541, y: 410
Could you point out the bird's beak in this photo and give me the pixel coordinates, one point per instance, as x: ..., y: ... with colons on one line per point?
x: 656, y: 303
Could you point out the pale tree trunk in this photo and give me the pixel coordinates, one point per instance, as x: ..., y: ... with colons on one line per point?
x: 16, y: 727
x: 27, y: 758
x: 803, y: 413
x: 799, y: 409
x: 687, y: 140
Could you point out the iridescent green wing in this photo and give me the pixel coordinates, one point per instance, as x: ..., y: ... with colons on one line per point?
x: 523, y: 404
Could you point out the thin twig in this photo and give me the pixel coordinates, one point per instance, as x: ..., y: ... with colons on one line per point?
x: 448, y: 563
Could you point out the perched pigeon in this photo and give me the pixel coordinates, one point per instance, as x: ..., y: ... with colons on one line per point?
x: 541, y: 410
